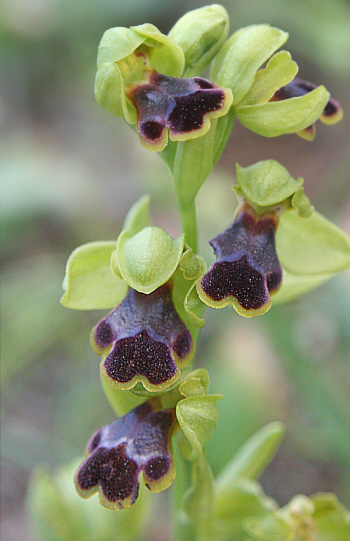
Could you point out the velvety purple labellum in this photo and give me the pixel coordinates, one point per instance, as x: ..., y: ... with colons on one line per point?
x: 179, y: 104
x: 147, y: 337
x: 138, y: 442
x: 247, y: 267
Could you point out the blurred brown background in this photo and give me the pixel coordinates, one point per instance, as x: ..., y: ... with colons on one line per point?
x: 69, y: 173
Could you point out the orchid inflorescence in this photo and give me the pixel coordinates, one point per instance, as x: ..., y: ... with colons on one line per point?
x: 157, y: 287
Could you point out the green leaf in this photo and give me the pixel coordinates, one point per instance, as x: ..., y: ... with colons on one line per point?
x: 253, y: 457
x: 148, y: 259
x: 280, y: 70
x: 199, y: 499
x: 311, y: 245
x: 197, y: 417
x: 138, y: 216
x: 296, y: 285
x: 200, y: 33
x: 266, y: 183
x: 288, y: 116
x: 242, y: 55
x: 89, y: 282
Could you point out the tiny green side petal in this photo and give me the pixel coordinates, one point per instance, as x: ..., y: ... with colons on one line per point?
x: 197, y: 417
x: 166, y: 56
x: 311, y: 246
x: 148, y: 259
x: 266, y: 183
x: 242, y: 55
x: 280, y: 70
x: 281, y: 117
x: 89, y: 281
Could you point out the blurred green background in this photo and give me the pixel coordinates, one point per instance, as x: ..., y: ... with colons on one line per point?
x: 69, y: 173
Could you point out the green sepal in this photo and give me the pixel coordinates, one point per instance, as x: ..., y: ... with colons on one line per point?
x: 138, y: 216
x: 58, y: 513
x: 198, y: 501
x: 121, y: 401
x: 311, y: 246
x: 287, y: 116
x: 302, y: 204
x: 296, y: 285
x: 200, y: 33
x: 266, y: 183
x: 253, y: 457
x: 242, y: 55
x: 194, y: 306
x: 148, y: 259
x: 109, y: 92
x: 197, y: 417
x: 89, y: 282
x: 280, y: 70
x: 166, y: 56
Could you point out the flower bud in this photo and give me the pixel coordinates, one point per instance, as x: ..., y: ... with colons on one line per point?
x: 201, y: 34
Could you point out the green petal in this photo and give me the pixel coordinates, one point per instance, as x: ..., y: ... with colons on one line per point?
x: 280, y: 70
x: 196, y: 383
x: 302, y: 204
x: 253, y: 457
x: 311, y: 246
x: 266, y: 183
x: 242, y: 55
x: 191, y: 265
x: 89, y: 282
x: 194, y: 306
x: 166, y: 56
x: 200, y: 33
x: 148, y: 259
x: 288, y: 116
x: 197, y: 417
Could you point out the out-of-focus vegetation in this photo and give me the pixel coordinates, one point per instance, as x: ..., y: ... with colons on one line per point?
x: 69, y: 173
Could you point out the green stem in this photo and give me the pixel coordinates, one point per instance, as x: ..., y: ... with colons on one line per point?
x: 184, y: 528
x: 189, y: 225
